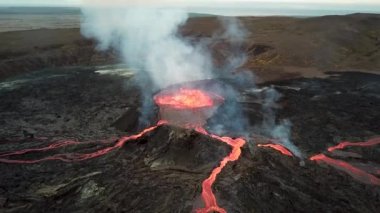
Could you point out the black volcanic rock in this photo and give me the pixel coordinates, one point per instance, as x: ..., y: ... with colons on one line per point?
x: 160, y: 172
x: 267, y: 181
x: 184, y: 150
x: 163, y: 171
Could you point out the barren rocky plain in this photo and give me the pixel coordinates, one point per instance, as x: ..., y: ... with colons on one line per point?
x: 325, y: 68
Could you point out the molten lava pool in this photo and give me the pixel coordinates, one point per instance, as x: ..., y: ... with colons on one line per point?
x: 187, y: 106
x: 185, y: 99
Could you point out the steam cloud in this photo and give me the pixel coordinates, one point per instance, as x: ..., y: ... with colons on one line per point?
x: 231, y: 119
x: 147, y: 39
x: 280, y: 131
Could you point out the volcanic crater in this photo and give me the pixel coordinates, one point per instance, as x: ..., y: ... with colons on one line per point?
x: 171, y: 167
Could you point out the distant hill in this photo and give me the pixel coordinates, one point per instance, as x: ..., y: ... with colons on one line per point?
x: 40, y: 10
x: 277, y: 47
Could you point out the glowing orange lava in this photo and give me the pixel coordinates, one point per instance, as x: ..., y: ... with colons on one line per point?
x: 342, y: 145
x: 207, y: 194
x: 353, y: 171
x: 50, y: 147
x: 348, y: 168
x: 185, y: 99
x: 73, y: 157
x: 191, y: 108
x: 277, y: 147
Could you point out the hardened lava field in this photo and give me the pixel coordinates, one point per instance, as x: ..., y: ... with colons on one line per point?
x: 174, y: 168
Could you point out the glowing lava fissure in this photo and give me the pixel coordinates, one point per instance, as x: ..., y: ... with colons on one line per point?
x: 207, y: 193
x: 56, y: 145
x: 190, y: 108
x: 184, y: 100
x: 353, y: 171
x: 283, y: 150
x: 194, y: 107
x: 74, y: 157
x: 348, y: 168
x: 342, y: 145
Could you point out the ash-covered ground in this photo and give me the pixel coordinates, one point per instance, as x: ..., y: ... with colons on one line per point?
x: 163, y: 170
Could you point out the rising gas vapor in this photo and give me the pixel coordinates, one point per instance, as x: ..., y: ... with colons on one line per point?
x: 147, y: 40
x: 146, y: 35
x: 281, y: 131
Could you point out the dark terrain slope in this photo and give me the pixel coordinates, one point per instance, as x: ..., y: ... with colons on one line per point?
x: 277, y: 47
x: 163, y: 171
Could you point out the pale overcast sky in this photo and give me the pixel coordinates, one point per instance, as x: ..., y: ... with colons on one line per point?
x: 185, y: 2
x: 279, y: 5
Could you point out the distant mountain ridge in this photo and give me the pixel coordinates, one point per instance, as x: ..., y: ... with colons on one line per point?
x: 40, y: 10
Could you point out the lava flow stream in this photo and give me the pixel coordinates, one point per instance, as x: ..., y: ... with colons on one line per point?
x: 342, y: 145
x: 207, y: 194
x: 184, y: 105
x: 199, y: 103
x: 187, y: 100
x: 353, y: 171
x: 72, y: 157
x: 277, y: 147
x: 56, y: 145
x: 348, y: 168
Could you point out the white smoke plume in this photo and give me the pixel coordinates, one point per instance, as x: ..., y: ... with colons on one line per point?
x: 235, y: 34
x: 146, y: 36
x: 144, y: 3
x: 233, y: 29
x: 281, y: 131
x: 231, y: 119
x: 147, y: 40
x: 145, y: 33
